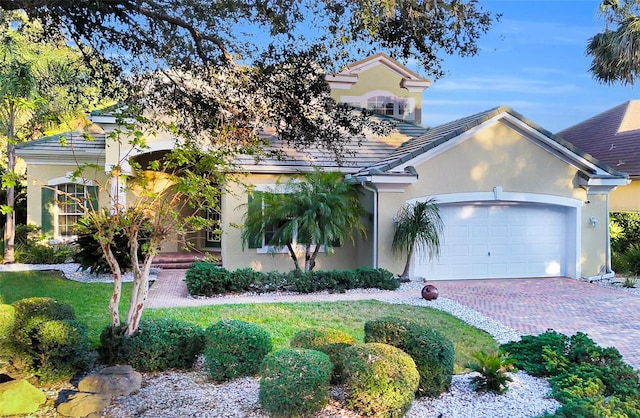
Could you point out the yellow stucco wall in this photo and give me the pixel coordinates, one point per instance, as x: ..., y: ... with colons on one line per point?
x: 118, y: 151
x: 235, y: 257
x: 498, y: 157
x: 626, y: 198
x: 594, y: 249
x: 40, y: 174
x: 380, y: 78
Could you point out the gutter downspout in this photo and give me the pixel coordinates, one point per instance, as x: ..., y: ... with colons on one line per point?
x: 374, y: 190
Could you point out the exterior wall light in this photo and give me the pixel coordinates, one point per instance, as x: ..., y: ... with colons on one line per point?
x: 593, y: 220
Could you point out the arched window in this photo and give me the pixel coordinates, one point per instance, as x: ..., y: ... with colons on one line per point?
x: 384, y: 102
x: 381, y: 104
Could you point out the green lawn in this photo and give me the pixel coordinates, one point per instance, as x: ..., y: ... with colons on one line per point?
x: 282, y: 320
x: 89, y: 300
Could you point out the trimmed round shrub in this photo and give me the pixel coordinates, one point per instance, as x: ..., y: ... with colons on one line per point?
x: 7, y: 321
x: 388, y: 330
x: 244, y: 279
x: 46, y: 340
x: 380, y: 380
x: 207, y: 279
x: 31, y: 312
x: 295, y: 382
x: 329, y: 341
x: 235, y: 348
x: 63, y: 349
x: 313, y: 338
x: 380, y: 278
x: 432, y: 352
x: 159, y: 344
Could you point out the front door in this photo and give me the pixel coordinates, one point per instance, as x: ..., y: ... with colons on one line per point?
x: 213, y: 237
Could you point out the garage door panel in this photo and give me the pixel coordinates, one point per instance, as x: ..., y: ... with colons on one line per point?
x: 479, y: 250
x: 499, y: 269
x: 483, y: 241
x: 480, y: 231
x: 499, y: 232
x: 459, y: 251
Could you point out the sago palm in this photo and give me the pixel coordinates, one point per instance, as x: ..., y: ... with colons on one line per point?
x: 418, y: 230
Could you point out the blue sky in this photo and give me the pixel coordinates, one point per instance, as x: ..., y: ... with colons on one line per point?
x: 533, y: 61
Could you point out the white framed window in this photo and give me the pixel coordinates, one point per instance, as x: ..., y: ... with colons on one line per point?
x: 384, y: 103
x: 71, y: 206
x: 261, y: 243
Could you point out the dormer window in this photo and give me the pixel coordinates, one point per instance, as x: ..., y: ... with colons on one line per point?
x: 384, y: 104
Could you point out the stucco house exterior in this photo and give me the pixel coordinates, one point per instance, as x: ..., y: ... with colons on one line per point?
x: 517, y: 201
x: 613, y: 137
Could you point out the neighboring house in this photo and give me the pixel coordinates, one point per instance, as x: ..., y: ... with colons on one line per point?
x: 517, y: 201
x: 613, y: 137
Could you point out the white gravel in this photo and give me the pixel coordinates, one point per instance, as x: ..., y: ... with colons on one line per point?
x: 173, y: 395
x: 180, y: 394
x: 72, y: 272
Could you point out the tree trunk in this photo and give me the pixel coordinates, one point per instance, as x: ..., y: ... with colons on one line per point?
x: 10, y: 224
x: 404, y: 277
x: 292, y: 253
x: 311, y: 259
x: 114, y: 303
x: 140, y: 288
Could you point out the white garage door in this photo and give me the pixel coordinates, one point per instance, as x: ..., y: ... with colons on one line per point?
x: 499, y: 241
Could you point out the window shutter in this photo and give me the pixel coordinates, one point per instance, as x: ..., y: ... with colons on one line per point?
x: 254, y: 204
x: 92, y: 195
x: 48, y: 208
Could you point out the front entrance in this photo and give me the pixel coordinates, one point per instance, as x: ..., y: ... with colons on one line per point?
x: 213, y: 234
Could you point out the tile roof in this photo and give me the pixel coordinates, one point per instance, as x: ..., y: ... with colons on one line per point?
x: 360, y: 153
x: 75, y: 143
x: 612, y: 136
x: 441, y: 134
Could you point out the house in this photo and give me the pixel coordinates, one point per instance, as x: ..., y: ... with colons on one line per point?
x: 517, y: 201
x: 613, y: 137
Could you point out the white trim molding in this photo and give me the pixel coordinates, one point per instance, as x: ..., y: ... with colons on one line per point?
x: 69, y: 179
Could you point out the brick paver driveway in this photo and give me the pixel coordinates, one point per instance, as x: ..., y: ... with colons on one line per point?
x: 610, y: 316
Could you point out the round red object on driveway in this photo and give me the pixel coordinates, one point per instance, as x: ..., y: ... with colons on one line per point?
x: 429, y: 292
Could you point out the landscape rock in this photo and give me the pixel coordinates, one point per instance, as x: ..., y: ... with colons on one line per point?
x: 83, y: 404
x: 20, y: 397
x: 112, y: 381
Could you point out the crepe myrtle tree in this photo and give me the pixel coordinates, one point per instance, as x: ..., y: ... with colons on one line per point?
x: 312, y: 210
x: 170, y: 191
x: 615, y: 52
x: 418, y: 227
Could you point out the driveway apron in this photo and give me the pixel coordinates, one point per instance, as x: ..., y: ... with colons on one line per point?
x: 610, y: 316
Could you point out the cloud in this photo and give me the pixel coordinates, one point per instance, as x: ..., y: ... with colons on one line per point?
x: 518, y: 32
x: 504, y: 83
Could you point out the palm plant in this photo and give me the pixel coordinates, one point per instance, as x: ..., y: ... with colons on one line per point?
x: 492, y: 369
x: 418, y: 230
x: 322, y: 210
x: 614, y: 52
